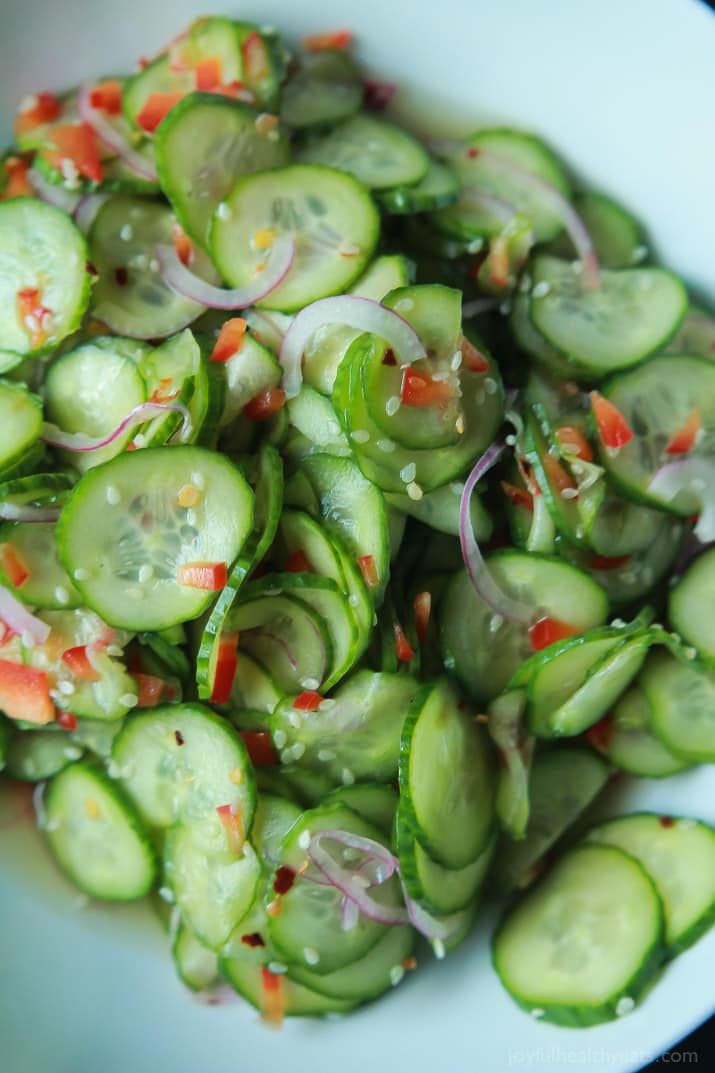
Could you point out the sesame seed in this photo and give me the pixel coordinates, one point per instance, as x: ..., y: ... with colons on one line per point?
x: 360, y: 435
x: 541, y: 289
x: 91, y: 809
x: 129, y: 700
x: 113, y: 650
x: 111, y: 494
x: 309, y: 683
x: 146, y: 573
x: 298, y: 750
x: 459, y: 425
x: 457, y: 487
x: 223, y: 211
x: 324, y: 755
x: 312, y: 957
x: 625, y: 1005
x: 72, y: 752
x: 475, y: 245
x: 140, y: 440
x: 166, y: 894
x: 188, y: 496
x: 536, y: 1012
x: 346, y: 777
x: 295, y: 719
x: 569, y: 493
x: 61, y: 595
x: 387, y: 446
x: 510, y: 440
x: 266, y: 122
x: 490, y: 386
x: 304, y: 839
x: 126, y: 233
x: 67, y: 688
x: 236, y: 776
x: 456, y: 361
x: 408, y: 472
x: 495, y: 623
x: 70, y: 174
x: 414, y: 491
x: 277, y: 967
x: 280, y: 738
x: 404, y: 305
x: 438, y: 948
x: 199, y: 480
x: 354, y: 599
x: 154, y: 265
x: 392, y: 405
x: 396, y: 974
x: 326, y: 704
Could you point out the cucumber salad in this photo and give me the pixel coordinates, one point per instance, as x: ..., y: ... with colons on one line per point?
x: 357, y: 498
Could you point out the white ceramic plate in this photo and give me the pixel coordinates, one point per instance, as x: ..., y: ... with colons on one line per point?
x: 625, y: 89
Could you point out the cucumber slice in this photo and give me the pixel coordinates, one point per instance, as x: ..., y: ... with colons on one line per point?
x: 125, y: 516
x: 375, y: 803
x: 91, y: 390
x: 696, y: 335
x: 383, y: 275
x: 630, y: 315
x: 656, y: 400
x: 528, y: 339
x: 484, y: 172
x: 325, y: 87
x: 617, y: 236
x: 314, y: 417
x: 327, y: 210
x: 679, y: 856
x: 482, y: 649
x: 250, y: 371
x: 205, y: 144
x: 309, y: 921
x: 355, y: 734
x: 196, y: 965
x: 627, y: 742
x: 562, y: 784
x: 516, y: 749
x: 690, y: 605
x: 96, y: 837
x: 130, y: 295
x: 37, y: 490
x: 366, y: 978
x: 437, y: 188
x: 577, y: 686
x: 97, y: 736
x: 42, y: 250
x: 48, y: 585
x: 295, y: 1000
x: 20, y: 424
x: 585, y: 940
x: 378, y: 154
x: 214, y: 886
x: 682, y: 705
x: 273, y: 820
x: 38, y: 755
x: 439, y: 509
x: 447, y: 778
x: 181, y: 763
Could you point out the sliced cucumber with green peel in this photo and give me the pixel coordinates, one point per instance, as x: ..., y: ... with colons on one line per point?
x: 130, y: 295
x: 681, y: 696
x: 335, y: 223
x: 696, y: 335
x: 563, y: 782
x: 492, y: 173
x: 41, y: 754
x: 515, y: 745
x: 585, y: 943
x: 326, y: 87
x: 125, y: 529
x: 679, y: 856
x: 44, y: 256
x: 439, y: 509
x: 626, y: 740
x: 447, y: 778
x: 205, y: 144
x: 631, y: 314
x: 196, y: 965
x: 377, y: 153
x: 47, y: 585
x: 249, y: 981
x: 482, y: 649
x: 248, y: 372
x: 616, y: 235
x: 96, y: 837
x: 690, y: 605
x: 437, y: 188
x: 377, y: 971
x: 375, y: 802
x: 20, y: 424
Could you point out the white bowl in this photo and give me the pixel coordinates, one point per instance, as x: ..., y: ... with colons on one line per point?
x: 625, y: 91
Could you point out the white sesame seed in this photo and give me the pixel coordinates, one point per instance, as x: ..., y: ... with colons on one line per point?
x: 438, y: 948
x: 310, y: 956
x: 154, y: 265
x: 113, y: 650
x: 67, y: 688
x: 111, y: 494
x: 495, y: 623
x: 140, y: 440
x: 404, y: 305
x: 536, y: 1012
x: 126, y: 233
x: 618, y: 623
x: 129, y: 700
x: 541, y: 289
x: 114, y: 770
x: 456, y: 361
x: 354, y: 599
x: 457, y: 487
x: 70, y: 174
x: 146, y: 573
x: 360, y: 435
x: 396, y: 974
x: 387, y: 446
x: 298, y: 750
x: 392, y: 405
x: 277, y: 967
x: 309, y: 683
x: 475, y: 245
x: 414, y: 491
x: 304, y: 839
x: 61, y: 594
x: 199, y: 480
x: 280, y: 738
x: 490, y: 386
x: 625, y: 1005
x: 326, y: 704
x: 295, y: 719
x: 223, y: 211
x: 166, y: 894
x: 324, y: 755
x: 72, y: 752
x: 408, y: 472
x: 510, y: 440
x: 569, y: 493
x: 346, y: 776
x: 28, y: 641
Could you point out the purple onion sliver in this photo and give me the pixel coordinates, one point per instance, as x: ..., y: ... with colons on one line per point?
x: 145, y: 411
x: 86, y: 211
x: 53, y: 194
x: 18, y: 618
x: 435, y: 930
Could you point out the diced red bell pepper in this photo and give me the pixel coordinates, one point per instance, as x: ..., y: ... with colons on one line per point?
x: 520, y: 497
x: 557, y: 476
x: 25, y: 693
x: 233, y: 825
x: 686, y: 437
x: 403, y: 648
x: 334, y: 39
x: 151, y: 689
x: 77, y: 143
x: 156, y: 107
x: 208, y: 74
x: 208, y: 576
x: 13, y: 566
x: 183, y: 245
x: 255, y: 58
x: 265, y: 404
x: 499, y: 262
x: 45, y: 108
x: 613, y: 429
x: 230, y: 339
x: 549, y: 630
x: 33, y: 315
x: 66, y: 720
x: 609, y: 562
x: 420, y: 389
x: 107, y: 96
x: 422, y: 605
x: 572, y: 441
x: 472, y: 358
x: 225, y: 671
x: 260, y: 747
x: 298, y: 563
x: 18, y: 184
x: 368, y: 570
x: 79, y: 663
x: 272, y: 1001
x: 308, y: 701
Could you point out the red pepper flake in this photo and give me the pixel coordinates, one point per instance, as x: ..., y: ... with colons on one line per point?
x: 572, y: 441
x: 66, y: 720
x: 308, y: 701
x: 556, y: 475
x: 667, y: 821
x: 518, y: 496
x: 163, y: 393
x: 207, y: 73
x: 179, y: 738
x: 605, y: 562
x: 421, y: 390
x: 272, y: 1000
x: 183, y: 245
x: 368, y: 571
x: 156, y: 107
x: 284, y: 879
x: 233, y: 825
x: 225, y: 672
x: 686, y: 437
x: 549, y: 630
x: 13, y: 566
x: 42, y: 108
x: 378, y: 95
x: 600, y: 734
x: 472, y: 358
x: 107, y: 96
x: 18, y: 184
x: 499, y: 261
x: 230, y: 339
x: 25, y: 693
x: 150, y: 689
x: 335, y: 39
x: 265, y: 404
x: 403, y: 648
x: 389, y: 357
x: 208, y: 576
x: 79, y: 664
x: 472, y: 152
x: 422, y: 605
x: 613, y: 429
x: 260, y: 747
x: 298, y: 563
x: 253, y: 939
x: 33, y: 315
x: 121, y: 276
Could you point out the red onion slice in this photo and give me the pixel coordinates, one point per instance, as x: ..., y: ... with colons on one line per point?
x: 473, y: 197
x: 145, y: 411
x: 436, y: 931
x: 111, y: 137
x: 58, y: 196
x: 18, y: 618
x: 352, y: 884
x: 478, y: 571
x: 86, y: 211
x: 697, y: 477
x: 185, y: 283
x: 362, y: 314
x: 12, y: 512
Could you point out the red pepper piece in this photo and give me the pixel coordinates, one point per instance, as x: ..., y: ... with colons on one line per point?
x: 265, y: 404
x: 686, y: 437
x: 260, y: 747
x: 613, y: 429
x: 25, y: 693
x: 79, y: 663
x: 548, y: 630
x: 226, y: 664
x: 308, y: 701
x: 230, y: 339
